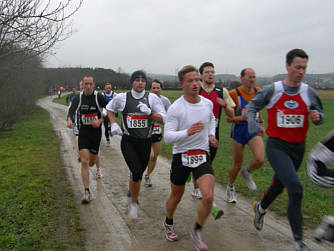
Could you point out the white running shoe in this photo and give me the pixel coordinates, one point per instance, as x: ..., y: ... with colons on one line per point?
x: 325, y: 231
x: 230, y: 194
x: 98, y: 173
x: 249, y: 179
x: 86, y: 198
x: 258, y: 217
x: 300, y: 246
x: 196, y: 193
x: 133, y: 210
x: 199, y: 243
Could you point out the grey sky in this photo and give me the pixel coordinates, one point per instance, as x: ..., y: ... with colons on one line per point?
x: 162, y: 36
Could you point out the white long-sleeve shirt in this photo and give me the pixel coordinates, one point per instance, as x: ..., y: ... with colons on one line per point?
x: 117, y: 104
x: 180, y: 116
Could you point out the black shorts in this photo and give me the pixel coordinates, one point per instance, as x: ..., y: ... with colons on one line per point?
x: 136, y: 153
x: 180, y: 173
x: 156, y: 138
x: 90, y: 138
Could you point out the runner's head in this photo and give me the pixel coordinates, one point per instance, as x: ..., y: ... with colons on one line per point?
x: 88, y: 85
x: 74, y: 90
x: 107, y: 88
x: 247, y: 77
x: 207, y: 71
x: 156, y: 87
x: 296, y: 64
x: 138, y: 81
x: 189, y: 80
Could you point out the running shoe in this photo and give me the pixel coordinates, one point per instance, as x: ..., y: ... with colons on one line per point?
x: 325, y: 231
x: 170, y: 232
x: 249, y: 179
x: 148, y: 182
x: 98, y: 173
x: 199, y: 243
x: 133, y: 210
x: 300, y: 246
x: 230, y: 194
x: 86, y: 198
x: 108, y: 143
x: 258, y: 218
x: 216, y: 212
x: 196, y: 193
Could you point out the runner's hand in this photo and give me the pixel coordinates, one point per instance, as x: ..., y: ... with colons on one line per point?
x: 315, y: 116
x: 144, y: 108
x: 213, y: 141
x: 195, y: 128
x: 115, y: 129
x: 69, y: 123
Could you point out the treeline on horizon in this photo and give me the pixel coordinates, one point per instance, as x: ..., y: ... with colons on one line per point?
x: 69, y: 77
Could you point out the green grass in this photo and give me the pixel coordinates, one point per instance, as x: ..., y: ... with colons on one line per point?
x: 36, y: 201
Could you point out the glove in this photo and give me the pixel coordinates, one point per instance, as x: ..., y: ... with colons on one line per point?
x: 115, y: 129
x: 104, y: 112
x: 227, y: 98
x: 144, y: 108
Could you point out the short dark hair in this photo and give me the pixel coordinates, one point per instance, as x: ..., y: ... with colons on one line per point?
x: 295, y: 53
x: 157, y: 81
x: 205, y: 64
x: 186, y: 69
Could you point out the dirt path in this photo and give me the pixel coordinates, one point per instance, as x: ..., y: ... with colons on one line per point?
x: 107, y: 226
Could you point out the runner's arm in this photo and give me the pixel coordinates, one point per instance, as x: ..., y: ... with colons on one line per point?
x: 316, y: 105
x: 260, y: 100
x: 158, y: 109
x: 171, y: 133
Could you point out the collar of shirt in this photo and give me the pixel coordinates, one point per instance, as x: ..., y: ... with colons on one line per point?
x: 208, y: 90
x: 137, y: 95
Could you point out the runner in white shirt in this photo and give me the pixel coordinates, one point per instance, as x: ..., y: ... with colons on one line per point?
x: 139, y: 110
x: 190, y: 126
x: 156, y: 88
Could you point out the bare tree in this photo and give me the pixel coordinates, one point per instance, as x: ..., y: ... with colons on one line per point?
x: 34, y: 26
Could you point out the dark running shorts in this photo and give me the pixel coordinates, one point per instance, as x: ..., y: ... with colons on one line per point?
x: 180, y: 173
x: 156, y: 138
x: 90, y: 138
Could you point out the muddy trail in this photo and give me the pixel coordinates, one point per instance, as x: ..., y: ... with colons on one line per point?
x: 107, y: 226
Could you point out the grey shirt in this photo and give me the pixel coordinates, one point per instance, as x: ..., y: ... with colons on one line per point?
x: 263, y: 97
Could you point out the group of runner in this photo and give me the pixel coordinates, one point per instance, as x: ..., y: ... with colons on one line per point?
x: 191, y: 124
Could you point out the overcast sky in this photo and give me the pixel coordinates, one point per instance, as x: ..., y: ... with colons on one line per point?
x: 161, y: 36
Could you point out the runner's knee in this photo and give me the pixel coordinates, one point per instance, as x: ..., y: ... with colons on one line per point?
x: 136, y: 176
x: 295, y: 191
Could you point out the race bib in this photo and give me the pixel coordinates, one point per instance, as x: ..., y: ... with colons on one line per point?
x: 193, y: 158
x: 137, y: 121
x: 87, y: 118
x: 157, y: 129
x: 290, y: 120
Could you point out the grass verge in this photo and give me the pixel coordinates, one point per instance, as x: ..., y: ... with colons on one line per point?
x: 37, y: 210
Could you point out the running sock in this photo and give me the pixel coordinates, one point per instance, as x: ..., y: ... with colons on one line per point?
x: 231, y: 185
x: 248, y: 170
x: 197, y: 227
x: 169, y: 221
x: 87, y: 189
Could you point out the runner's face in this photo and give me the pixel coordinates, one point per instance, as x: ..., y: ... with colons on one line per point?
x: 297, y: 69
x: 156, y: 88
x: 88, y: 85
x: 107, y: 88
x: 74, y: 90
x: 208, y: 75
x: 248, y: 79
x: 139, y: 84
x: 191, y: 84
